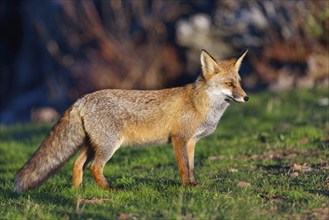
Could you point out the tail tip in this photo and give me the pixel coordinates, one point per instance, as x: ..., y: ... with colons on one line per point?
x: 17, y: 189
x: 18, y: 186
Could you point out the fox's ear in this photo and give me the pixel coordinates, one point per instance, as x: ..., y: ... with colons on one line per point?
x: 209, y: 65
x: 239, y: 61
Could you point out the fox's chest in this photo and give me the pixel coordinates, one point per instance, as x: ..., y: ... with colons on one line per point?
x: 205, y: 129
x: 209, y: 125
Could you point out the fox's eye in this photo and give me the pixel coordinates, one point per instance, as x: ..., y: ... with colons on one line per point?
x: 229, y: 84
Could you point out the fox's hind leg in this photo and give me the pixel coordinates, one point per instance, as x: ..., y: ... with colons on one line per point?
x: 86, y: 155
x: 103, y: 153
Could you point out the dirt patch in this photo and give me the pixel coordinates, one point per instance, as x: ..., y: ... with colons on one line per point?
x: 82, y: 201
x: 315, y: 213
x: 282, y: 154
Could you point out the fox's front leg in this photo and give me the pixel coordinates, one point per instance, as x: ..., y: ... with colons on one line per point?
x: 190, y: 150
x: 184, y: 151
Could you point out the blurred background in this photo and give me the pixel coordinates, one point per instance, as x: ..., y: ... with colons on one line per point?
x: 53, y: 52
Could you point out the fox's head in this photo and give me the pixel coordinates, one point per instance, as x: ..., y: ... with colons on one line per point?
x: 222, y: 77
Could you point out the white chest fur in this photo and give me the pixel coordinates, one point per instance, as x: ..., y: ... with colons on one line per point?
x: 218, y: 106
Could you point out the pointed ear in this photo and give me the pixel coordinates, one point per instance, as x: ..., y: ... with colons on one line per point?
x: 239, y: 61
x: 209, y: 65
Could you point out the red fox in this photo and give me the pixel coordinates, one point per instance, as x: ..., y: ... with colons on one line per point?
x: 100, y: 122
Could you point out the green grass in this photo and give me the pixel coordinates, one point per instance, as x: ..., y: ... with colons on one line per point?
x: 278, y: 142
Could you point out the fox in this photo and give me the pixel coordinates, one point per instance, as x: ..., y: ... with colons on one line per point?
x: 99, y: 123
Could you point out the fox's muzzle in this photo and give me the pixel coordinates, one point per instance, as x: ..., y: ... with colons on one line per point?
x: 239, y: 98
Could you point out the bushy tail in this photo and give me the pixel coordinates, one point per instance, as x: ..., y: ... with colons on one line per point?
x: 60, y: 144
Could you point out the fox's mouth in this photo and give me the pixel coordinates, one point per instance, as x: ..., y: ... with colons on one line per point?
x: 229, y: 99
x: 238, y: 100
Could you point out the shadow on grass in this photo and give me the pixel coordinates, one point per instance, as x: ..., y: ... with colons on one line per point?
x: 138, y: 182
x: 67, y: 207
x: 83, y: 214
x: 272, y: 167
x: 319, y: 192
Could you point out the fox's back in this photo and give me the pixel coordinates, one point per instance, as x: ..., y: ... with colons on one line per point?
x: 140, y: 116
x: 129, y: 105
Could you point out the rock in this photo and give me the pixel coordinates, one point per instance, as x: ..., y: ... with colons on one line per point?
x: 243, y: 184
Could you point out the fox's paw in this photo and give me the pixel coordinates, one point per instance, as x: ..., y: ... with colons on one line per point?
x: 190, y: 184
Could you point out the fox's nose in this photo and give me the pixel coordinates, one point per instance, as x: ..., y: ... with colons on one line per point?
x: 246, y: 98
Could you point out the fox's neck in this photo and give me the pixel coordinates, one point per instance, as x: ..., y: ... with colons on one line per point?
x: 218, y: 105
x: 210, y: 105
x: 215, y: 103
